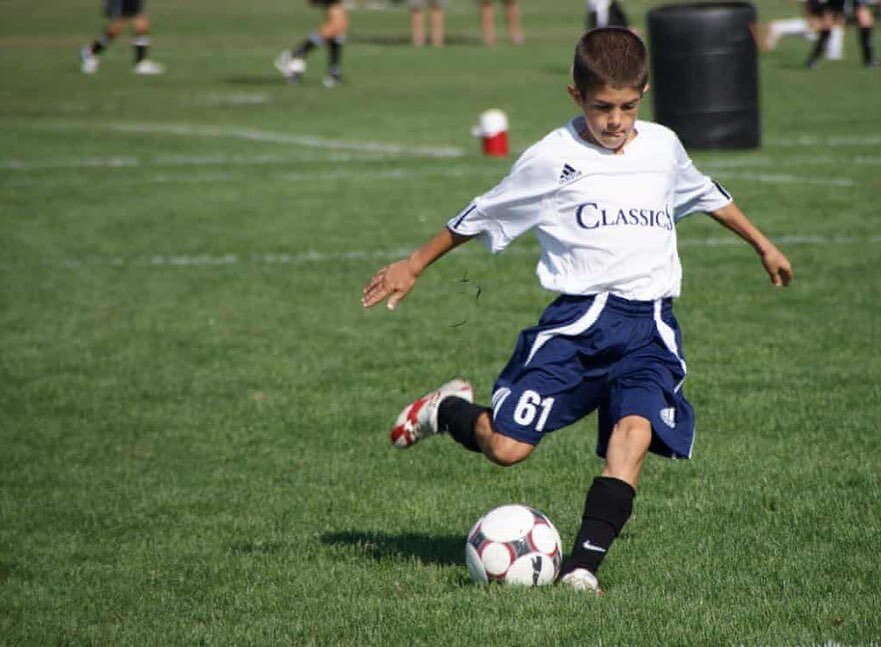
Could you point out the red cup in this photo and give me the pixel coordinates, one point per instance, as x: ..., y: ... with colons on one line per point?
x: 496, y: 145
x: 493, y: 133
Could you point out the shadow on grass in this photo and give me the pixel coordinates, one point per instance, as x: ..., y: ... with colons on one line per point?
x: 429, y: 549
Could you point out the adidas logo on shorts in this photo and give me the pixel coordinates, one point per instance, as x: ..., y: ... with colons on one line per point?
x: 668, y: 416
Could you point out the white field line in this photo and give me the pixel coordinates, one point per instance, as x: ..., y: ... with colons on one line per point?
x: 230, y: 178
x: 254, y: 135
x: 237, y: 99
x: 790, y: 160
x: 461, y: 170
x: 307, y: 257
x: 768, y: 178
x: 114, y: 162
x: 831, y: 141
x: 127, y: 161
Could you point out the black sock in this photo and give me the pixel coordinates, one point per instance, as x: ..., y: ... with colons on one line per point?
x: 141, y: 44
x: 335, y: 53
x: 307, y: 45
x: 866, y: 44
x: 607, y: 508
x: 819, y: 46
x: 457, y: 417
x: 100, y: 44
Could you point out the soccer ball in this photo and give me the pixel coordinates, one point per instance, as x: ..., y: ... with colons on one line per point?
x: 513, y: 544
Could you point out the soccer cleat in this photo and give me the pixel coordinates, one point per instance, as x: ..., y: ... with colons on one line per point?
x: 89, y: 61
x: 291, y: 67
x: 332, y: 79
x: 582, y: 579
x: 148, y: 68
x: 419, y: 419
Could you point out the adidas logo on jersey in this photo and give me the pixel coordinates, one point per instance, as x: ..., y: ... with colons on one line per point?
x: 568, y: 174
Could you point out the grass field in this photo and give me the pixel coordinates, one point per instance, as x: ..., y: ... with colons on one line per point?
x: 194, y: 407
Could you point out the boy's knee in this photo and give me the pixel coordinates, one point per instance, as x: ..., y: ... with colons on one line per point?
x: 506, y: 451
x: 141, y: 24
x: 115, y: 27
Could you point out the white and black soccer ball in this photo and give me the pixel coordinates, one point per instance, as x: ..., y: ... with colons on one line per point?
x: 514, y: 544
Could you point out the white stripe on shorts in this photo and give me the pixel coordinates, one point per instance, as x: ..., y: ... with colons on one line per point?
x: 669, y: 338
x: 499, y: 398
x: 577, y: 327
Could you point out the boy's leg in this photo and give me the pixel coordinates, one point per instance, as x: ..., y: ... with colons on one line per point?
x: 438, y: 34
x: 90, y: 53
x: 417, y: 27
x: 609, y: 501
x: 450, y: 410
x: 512, y: 16
x: 471, y: 426
x: 487, y: 22
x: 111, y: 32
x: 865, y: 24
x: 141, y: 45
x: 333, y: 31
x: 819, y: 49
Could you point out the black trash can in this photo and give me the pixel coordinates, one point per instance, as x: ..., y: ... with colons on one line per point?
x: 705, y: 75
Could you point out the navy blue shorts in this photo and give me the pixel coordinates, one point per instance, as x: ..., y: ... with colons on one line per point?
x: 123, y: 8
x: 598, y: 353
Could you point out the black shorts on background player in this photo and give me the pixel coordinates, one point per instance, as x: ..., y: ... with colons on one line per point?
x: 123, y: 8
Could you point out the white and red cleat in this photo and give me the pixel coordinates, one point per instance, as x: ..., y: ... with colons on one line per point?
x: 419, y: 419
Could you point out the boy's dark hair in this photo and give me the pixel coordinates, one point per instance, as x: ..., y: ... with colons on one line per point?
x: 610, y: 56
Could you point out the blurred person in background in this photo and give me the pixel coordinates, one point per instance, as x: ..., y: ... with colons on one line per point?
x: 512, y: 18
x: 118, y: 13
x: 806, y: 27
x: 834, y: 12
x: 436, y: 21
x: 331, y: 33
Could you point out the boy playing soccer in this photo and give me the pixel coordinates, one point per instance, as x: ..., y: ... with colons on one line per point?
x: 332, y: 33
x: 603, y: 195
x: 118, y: 12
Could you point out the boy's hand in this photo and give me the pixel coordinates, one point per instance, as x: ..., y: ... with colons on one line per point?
x: 777, y: 266
x: 393, y: 281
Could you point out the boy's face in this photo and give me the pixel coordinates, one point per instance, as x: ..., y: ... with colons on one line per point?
x: 609, y: 114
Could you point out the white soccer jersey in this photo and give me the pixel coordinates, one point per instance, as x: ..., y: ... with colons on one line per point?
x: 605, y: 222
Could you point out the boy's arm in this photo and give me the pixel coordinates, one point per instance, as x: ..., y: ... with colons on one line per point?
x: 775, y: 262
x: 396, y: 280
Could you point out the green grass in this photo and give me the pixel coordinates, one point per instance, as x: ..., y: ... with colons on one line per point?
x: 194, y: 407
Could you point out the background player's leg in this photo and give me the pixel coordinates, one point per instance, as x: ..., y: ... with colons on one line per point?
x: 111, y: 32
x: 487, y: 22
x: 820, y: 46
x: 333, y: 31
x: 609, y: 500
x: 90, y: 53
x: 141, y: 46
x: 512, y: 18
x: 865, y: 24
x: 438, y: 34
x: 417, y: 27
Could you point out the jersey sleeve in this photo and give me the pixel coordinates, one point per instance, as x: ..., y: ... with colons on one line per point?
x: 512, y: 207
x: 694, y: 190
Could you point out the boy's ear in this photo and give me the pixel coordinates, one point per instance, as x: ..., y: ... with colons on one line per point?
x: 646, y: 88
x: 575, y: 94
